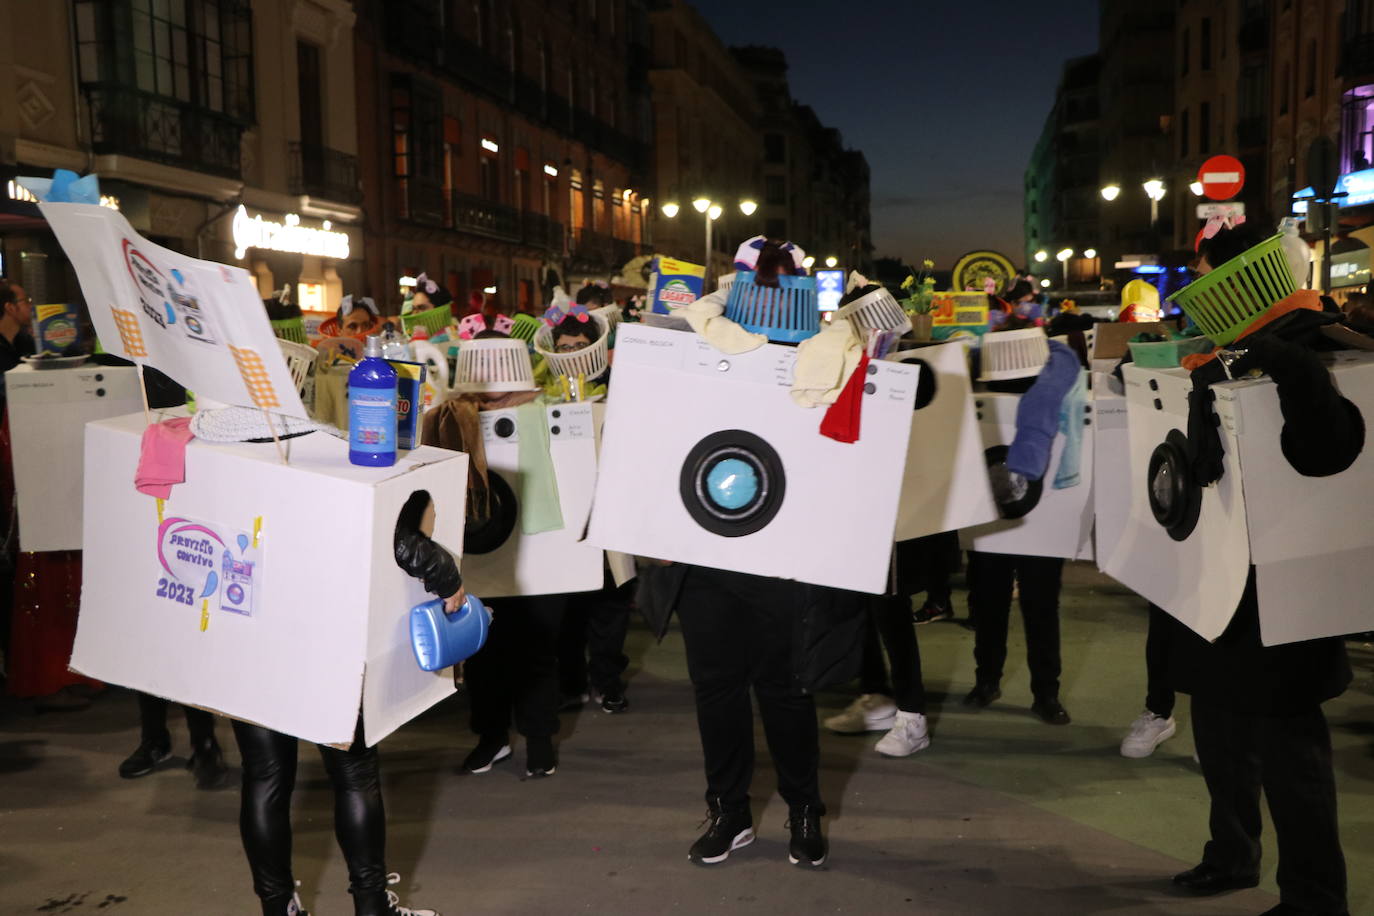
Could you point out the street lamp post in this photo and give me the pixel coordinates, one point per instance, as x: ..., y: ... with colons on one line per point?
x: 1063, y: 258
x: 711, y: 211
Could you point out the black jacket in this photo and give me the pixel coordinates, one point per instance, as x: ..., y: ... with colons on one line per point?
x: 827, y: 635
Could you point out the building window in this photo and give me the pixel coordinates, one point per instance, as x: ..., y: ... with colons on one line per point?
x: 1185, y: 52
x: 1183, y: 134
x: 1286, y: 89
x: 775, y: 189
x: 1311, y: 83
x: 1204, y: 49
x: 1357, y: 129
x: 170, y: 80
x: 1204, y: 128
x: 418, y: 148
x: 774, y: 148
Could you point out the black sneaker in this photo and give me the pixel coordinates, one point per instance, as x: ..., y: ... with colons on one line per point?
x: 728, y: 831
x: 612, y: 701
x: 808, y: 847
x: 982, y: 695
x: 540, y: 758
x: 208, y: 766
x: 1051, y: 712
x: 930, y: 612
x: 146, y: 758
x: 487, y: 752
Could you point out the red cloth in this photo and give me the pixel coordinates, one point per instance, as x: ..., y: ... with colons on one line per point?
x: 841, y: 421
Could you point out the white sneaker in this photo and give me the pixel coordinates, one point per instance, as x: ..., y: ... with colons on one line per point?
x: 871, y: 712
x: 908, y: 736
x: 1148, y: 732
x: 394, y: 902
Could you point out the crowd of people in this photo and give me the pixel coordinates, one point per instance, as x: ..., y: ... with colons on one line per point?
x: 751, y: 639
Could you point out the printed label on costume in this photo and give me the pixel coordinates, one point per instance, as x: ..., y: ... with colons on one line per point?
x: 195, y: 323
x: 204, y: 561
x: 371, y: 419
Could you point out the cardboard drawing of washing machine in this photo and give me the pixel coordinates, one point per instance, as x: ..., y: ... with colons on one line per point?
x: 705, y: 459
x: 499, y: 560
x: 945, y: 481
x: 1188, y: 548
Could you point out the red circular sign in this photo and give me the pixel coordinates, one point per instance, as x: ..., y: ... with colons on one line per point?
x: 1222, y: 177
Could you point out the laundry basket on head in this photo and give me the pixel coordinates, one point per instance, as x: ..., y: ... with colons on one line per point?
x: 1009, y: 355
x: 877, y: 310
x: 589, y: 362
x: 1226, y: 301
x: 786, y: 313
x: 493, y: 364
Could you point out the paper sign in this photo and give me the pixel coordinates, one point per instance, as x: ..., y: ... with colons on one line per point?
x: 200, y: 322
x: 201, y: 560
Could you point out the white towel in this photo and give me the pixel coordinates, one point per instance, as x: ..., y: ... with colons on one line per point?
x: 707, y: 318
x: 824, y: 364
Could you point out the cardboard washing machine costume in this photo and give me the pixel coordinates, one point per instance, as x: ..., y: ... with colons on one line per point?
x: 203, y: 585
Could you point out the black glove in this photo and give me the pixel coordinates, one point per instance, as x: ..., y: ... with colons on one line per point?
x: 421, y: 557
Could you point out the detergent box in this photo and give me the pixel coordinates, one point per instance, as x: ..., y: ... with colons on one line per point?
x: 674, y: 284
x: 56, y: 328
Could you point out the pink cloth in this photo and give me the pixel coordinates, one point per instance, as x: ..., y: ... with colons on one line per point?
x: 162, y: 459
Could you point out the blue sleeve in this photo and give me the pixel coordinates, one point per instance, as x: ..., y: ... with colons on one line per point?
x: 1037, y: 416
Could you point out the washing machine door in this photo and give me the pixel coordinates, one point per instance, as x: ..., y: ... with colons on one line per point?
x: 732, y: 483
x: 1174, y: 495
x: 487, y: 535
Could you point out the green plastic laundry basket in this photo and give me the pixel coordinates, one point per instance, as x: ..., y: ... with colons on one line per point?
x: 1226, y: 301
x: 525, y: 326
x: 292, y: 329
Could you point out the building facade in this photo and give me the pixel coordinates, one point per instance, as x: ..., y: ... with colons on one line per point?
x: 163, y: 102
x: 504, y: 144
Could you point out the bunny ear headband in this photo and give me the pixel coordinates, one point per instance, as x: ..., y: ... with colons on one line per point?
x: 562, y: 307
x: 747, y: 257
x: 426, y: 285
x: 349, y: 304
x: 473, y: 325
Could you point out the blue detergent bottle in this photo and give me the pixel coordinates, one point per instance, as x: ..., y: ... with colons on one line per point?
x: 372, y: 409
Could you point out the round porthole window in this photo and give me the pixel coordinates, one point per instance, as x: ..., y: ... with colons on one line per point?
x: 490, y: 533
x: 925, y: 381
x: 732, y: 483
x: 1175, y: 498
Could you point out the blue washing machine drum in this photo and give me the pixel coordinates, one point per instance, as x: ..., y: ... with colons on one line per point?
x: 733, y: 483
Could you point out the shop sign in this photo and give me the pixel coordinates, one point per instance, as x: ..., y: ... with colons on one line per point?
x: 289, y: 236
x: 1358, y: 188
x: 1350, y: 268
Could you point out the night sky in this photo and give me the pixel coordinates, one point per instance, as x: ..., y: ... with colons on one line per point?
x: 946, y: 99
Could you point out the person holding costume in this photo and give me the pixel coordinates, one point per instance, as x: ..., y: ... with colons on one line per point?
x: 269, y: 772
x: 780, y: 638
x: 1257, y: 710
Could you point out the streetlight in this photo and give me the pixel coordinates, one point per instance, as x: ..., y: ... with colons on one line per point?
x: 1111, y: 192
x: 1154, y: 189
x: 831, y: 261
x: 701, y: 204
x: 808, y: 261
x: 1045, y: 283
x: 1196, y: 188
x: 714, y: 212
x: 670, y: 210
x: 1090, y: 253
x: 1042, y: 256
x: 747, y: 207
x: 1062, y: 256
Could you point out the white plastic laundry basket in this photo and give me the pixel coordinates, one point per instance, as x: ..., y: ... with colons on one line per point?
x: 876, y: 311
x: 589, y: 362
x: 494, y: 364
x: 1016, y: 354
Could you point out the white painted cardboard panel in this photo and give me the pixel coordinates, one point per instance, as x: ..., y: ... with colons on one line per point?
x: 328, y: 636
x: 1111, y: 470
x: 552, y: 562
x: 1061, y: 524
x: 49, y: 410
x: 836, y: 523
x: 1198, y: 580
x: 945, y: 481
x: 1310, y: 537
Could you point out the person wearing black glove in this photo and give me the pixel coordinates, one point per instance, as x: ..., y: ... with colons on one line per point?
x: 269, y: 772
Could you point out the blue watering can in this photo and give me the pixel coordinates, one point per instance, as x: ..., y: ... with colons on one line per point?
x: 442, y: 640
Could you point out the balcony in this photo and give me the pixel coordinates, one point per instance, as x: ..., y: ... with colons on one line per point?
x: 538, y: 231
x: 319, y: 171
x: 480, y: 216
x: 593, y: 247
x: 425, y: 201
x: 127, y: 121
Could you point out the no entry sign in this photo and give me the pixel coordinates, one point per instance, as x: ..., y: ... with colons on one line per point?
x: 1222, y: 177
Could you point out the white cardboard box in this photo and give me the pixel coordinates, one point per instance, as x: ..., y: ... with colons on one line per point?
x: 945, y: 482
x: 330, y: 631
x: 1061, y: 524
x: 551, y: 562
x: 835, y: 504
x: 49, y: 410
x: 1111, y: 468
x: 1309, y: 538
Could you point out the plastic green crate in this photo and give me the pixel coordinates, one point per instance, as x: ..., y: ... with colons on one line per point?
x: 1226, y: 301
x: 434, y: 320
x: 1167, y: 354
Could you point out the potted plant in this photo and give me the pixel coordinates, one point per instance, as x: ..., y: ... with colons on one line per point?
x: 920, y: 300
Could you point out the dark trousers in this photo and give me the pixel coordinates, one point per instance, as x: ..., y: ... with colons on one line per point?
x: 990, y: 584
x: 152, y: 717
x: 591, y: 646
x: 1289, y: 757
x: 269, y: 776
x: 517, y: 670
x: 1159, y: 698
x: 889, y: 624
x: 738, y: 630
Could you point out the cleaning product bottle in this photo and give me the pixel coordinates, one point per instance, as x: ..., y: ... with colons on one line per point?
x: 1296, y: 252
x: 372, y: 408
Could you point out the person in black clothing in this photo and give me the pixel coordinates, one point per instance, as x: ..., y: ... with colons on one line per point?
x: 16, y: 320
x: 591, y: 649
x: 206, y: 762
x: 269, y: 772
